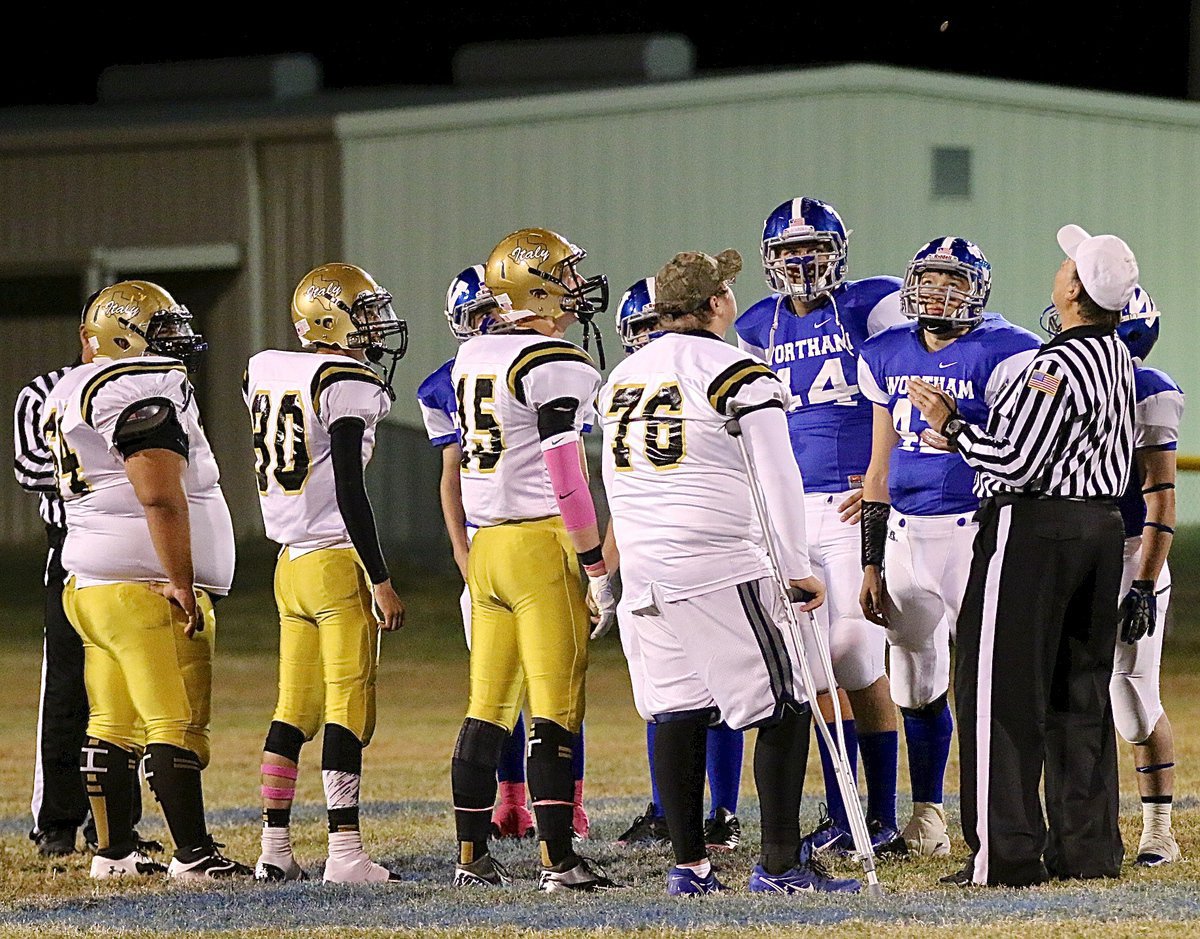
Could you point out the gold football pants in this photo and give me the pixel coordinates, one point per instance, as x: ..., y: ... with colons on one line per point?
x: 146, y: 681
x: 327, y: 642
x: 529, y: 624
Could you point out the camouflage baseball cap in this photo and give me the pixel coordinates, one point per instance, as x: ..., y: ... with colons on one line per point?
x: 691, y: 277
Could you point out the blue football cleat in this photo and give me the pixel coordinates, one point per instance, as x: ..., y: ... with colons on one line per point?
x: 829, y: 838
x: 886, y: 841
x: 808, y: 876
x: 683, y: 882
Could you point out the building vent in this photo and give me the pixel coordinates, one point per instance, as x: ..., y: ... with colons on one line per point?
x: 578, y: 60
x: 271, y: 77
x: 952, y: 172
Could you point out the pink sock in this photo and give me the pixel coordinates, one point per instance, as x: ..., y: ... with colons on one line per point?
x: 512, y: 793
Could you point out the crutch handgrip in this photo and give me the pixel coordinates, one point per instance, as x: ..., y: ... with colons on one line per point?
x: 799, y: 594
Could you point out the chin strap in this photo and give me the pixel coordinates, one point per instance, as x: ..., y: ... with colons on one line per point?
x: 589, y: 329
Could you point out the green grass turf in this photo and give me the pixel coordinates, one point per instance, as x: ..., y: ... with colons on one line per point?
x: 407, y: 820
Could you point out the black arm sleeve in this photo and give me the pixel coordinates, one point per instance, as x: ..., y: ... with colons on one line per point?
x: 346, y: 437
x: 874, y: 532
x: 556, y: 417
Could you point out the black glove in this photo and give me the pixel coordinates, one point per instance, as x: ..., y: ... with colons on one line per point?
x: 1139, y: 609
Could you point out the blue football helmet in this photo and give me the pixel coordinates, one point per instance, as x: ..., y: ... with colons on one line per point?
x: 941, y: 309
x: 636, y: 316
x: 1138, y: 328
x: 793, y: 226
x: 467, y: 302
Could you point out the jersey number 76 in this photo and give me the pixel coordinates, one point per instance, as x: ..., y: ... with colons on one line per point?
x: 662, y: 420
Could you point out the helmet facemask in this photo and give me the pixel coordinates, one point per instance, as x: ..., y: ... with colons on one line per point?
x: 375, y: 322
x: 581, y: 297
x: 638, y: 328
x: 804, y: 268
x: 943, y: 308
x: 169, y: 333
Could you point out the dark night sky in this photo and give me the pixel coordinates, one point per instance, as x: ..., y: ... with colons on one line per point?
x: 1117, y: 46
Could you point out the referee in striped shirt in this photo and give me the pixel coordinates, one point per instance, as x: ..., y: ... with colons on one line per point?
x: 1038, y: 626
x: 59, y: 802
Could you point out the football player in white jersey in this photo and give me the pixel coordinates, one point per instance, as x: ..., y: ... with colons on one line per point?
x: 313, y: 415
x: 523, y: 399
x: 149, y: 547
x: 711, y: 627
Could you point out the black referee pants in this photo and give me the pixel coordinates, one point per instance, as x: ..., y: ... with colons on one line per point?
x: 1033, y: 659
x: 59, y: 800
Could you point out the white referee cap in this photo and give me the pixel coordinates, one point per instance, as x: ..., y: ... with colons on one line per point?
x: 1106, y: 265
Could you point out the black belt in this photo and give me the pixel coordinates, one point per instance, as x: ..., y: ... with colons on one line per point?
x: 1008, y: 498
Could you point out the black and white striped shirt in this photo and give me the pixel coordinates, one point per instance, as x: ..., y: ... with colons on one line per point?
x: 1064, y: 427
x: 34, y: 465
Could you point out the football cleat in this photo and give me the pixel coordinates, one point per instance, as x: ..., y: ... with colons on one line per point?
x: 808, y: 876
x: 684, y: 882
x: 278, y: 869
x: 926, y: 833
x: 357, y: 869
x: 55, y: 842
x: 1157, y: 848
x: 963, y: 877
x: 510, y: 820
x: 886, y: 841
x: 134, y: 864
x: 147, y: 845
x: 722, y: 832
x: 649, y: 828
x: 484, y: 871
x: 828, y: 838
x: 583, y: 875
x: 212, y: 864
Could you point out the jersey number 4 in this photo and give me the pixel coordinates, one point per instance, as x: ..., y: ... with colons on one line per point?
x: 279, y: 444
x: 66, y: 461
x: 662, y: 418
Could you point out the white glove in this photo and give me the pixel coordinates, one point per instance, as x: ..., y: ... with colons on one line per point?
x: 602, y: 603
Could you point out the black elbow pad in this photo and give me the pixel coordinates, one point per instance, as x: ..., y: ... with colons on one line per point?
x: 150, y: 425
x: 556, y: 417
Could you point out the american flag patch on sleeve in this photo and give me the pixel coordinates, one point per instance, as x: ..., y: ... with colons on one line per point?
x: 1044, y: 382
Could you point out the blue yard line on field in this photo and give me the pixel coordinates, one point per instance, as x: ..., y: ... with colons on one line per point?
x: 422, y: 903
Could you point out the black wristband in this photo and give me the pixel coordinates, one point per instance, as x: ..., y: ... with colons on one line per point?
x: 591, y: 556
x: 874, y: 532
x: 1146, y: 585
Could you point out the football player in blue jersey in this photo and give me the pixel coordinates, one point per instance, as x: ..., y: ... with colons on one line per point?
x: 467, y: 302
x: 1148, y: 508
x: 809, y: 330
x: 636, y: 321
x: 918, y: 501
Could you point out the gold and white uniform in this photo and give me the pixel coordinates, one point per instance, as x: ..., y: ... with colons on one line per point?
x: 529, y: 620
x: 138, y: 665
x: 327, y: 628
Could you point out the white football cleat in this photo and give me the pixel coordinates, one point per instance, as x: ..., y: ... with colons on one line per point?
x: 134, y: 864
x: 1155, y: 848
x: 357, y: 869
x: 276, y: 869
x: 212, y: 865
x: 926, y: 833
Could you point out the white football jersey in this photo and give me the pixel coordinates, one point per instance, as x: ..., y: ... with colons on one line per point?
x: 108, y: 540
x: 294, y: 399
x: 500, y: 381
x: 677, y: 486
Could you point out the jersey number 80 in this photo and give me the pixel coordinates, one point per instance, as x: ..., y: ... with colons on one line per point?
x: 279, y: 442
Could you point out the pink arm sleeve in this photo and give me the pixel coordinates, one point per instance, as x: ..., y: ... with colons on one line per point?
x: 561, y: 454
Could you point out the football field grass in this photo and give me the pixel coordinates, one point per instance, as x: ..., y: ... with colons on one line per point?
x: 408, y: 824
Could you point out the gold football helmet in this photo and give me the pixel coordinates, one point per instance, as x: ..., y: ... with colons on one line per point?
x: 340, y: 306
x: 136, y: 317
x: 534, y: 272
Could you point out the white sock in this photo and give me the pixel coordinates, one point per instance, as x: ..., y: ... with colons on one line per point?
x: 703, y: 869
x: 1156, y: 818
x: 277, y: 843
x: 346, y: 845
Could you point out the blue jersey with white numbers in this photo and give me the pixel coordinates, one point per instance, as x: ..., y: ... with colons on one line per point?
x: 973, y: 369
x: 438, y: 407
x: 1157, y: 415
x: 817, y: 358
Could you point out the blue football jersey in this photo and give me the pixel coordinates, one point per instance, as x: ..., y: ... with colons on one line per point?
x: 1158, y: 413
x: 973, y: 370
x: 438, y: 407
x: 817, y: 358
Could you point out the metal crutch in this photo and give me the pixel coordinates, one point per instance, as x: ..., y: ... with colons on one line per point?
x: 837, y: 747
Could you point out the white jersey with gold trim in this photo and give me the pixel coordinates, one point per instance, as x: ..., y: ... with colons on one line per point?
x: 108, y: 540
x: 677, y: 486
x: 295, y: 398
x: 500, y: 381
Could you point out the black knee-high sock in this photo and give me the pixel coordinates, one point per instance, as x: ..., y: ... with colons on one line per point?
x: 473, y: 784
x: 109, y: 775
x: 552, y: 787
x: 174, y: 777
x: 780, y: 758
x: 680, y: 760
